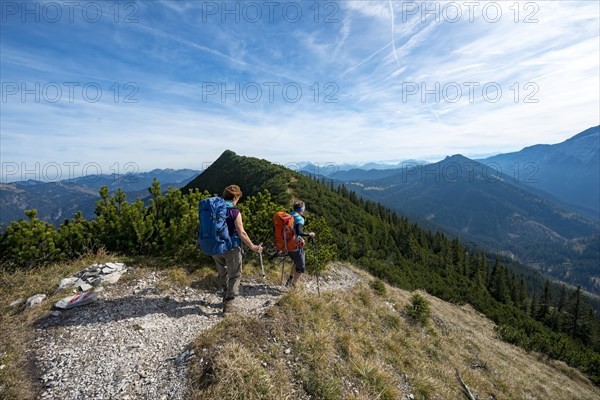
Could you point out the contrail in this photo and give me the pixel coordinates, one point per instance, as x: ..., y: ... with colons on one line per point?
x: 393, y: 42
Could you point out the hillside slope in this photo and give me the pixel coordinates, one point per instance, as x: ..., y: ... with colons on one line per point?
x: 251, y: 174
x: 159, y: 333
x: 561, y: 324
x: 358, y: 344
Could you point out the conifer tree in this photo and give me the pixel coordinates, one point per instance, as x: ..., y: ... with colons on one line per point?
x: 29, y: 243
x: 522, y: 296
x: 574, y: 314
x: 545, y: 302
x: 324, y: 249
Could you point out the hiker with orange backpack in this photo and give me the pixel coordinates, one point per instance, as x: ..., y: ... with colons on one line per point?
x: 220, y: 235
x: 297, y: 255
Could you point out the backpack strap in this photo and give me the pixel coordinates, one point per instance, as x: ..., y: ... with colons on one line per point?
x: 235, y: 238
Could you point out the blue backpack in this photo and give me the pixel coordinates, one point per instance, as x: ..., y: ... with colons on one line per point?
x: 213, y: 235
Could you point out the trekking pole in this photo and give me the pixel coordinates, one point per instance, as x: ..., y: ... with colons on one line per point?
x: 282, y: 268
x: 312, y: 238
x: 283, y: 258
x: 262, y: 267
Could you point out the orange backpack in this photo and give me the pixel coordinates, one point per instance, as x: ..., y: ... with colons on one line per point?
x: 285, y: 237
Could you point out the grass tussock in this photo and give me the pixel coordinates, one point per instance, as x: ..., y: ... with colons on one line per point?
x: 311, y: 347
x: 360, y: 345
x: 343, y: 345
x: 17, y: 323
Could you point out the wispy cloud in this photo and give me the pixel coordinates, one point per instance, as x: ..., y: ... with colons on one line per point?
x: 355, y: 76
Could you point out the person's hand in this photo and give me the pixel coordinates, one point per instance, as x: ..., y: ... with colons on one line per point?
x: 257, y: 248
x: 312, y: 234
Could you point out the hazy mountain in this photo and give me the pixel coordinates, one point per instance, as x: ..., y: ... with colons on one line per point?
x: 360, y: 174
x: 345, y: 172
x: 327, y: 166
x: 56, y: 201
x: 478, y: 203
x: 308, y: 166
x: 569, y: 170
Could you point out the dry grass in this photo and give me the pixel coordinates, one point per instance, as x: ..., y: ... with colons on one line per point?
x: 205, y: 277
x: 353, y: 345
x: 357, y: 345
x: 17, y: 324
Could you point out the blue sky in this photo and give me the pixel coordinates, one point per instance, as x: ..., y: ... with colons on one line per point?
x: 172, y: 84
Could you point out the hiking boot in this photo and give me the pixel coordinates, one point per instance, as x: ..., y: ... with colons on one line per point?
x: 289, y: 282
x: 222, y: 293
x: 230, y: 307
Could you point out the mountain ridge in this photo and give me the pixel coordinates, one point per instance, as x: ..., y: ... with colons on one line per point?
x: 56, y: 201
x: 480, y: 204
x: 569, y: 170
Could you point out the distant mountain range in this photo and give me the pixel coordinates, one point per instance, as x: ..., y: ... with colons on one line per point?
x: 56, y: 201
x: 489, y: 204
x: 308, y: 166
x: 569, y: 170
x: 351, y: 171
x: 465, y: 195
x: 538, y: 206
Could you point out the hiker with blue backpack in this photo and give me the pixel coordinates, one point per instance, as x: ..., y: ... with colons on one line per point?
x: 220, y: 235
x: 298, y: 255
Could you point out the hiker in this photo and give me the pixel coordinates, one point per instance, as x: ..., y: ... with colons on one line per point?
x: 298, y: 255
x: 229, y: 264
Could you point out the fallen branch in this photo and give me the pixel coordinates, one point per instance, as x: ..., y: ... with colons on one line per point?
x: 441, y: 324
x: 480, y: 366
x: 465, y: 387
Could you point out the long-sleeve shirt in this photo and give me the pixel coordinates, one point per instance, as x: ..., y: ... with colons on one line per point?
x: 298, y: 224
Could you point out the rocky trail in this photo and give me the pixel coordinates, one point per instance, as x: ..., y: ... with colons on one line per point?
x: 133, y: 342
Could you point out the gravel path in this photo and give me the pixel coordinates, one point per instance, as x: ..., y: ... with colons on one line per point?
x: 132, y: 343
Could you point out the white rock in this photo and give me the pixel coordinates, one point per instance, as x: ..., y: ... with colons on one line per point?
x: 79, y: 282
x: 55, y: 313
x: 95, y: 281
x: 111, y: 278
x: 116, y: 266
x: 84, y: 287
x: 17, y: 302
x: 35, y: 300
x: 67, y: 282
